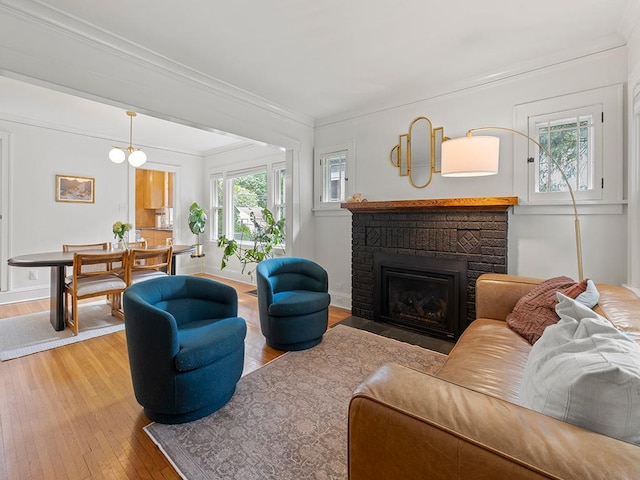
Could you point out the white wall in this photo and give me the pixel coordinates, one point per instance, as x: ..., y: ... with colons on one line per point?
x: 539, y: 245
x: 37, y: 223
x: 633, y: 131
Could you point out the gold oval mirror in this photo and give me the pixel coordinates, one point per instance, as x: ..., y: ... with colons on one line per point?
x: 420, y: 152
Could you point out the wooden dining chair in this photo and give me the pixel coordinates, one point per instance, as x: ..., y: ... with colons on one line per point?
x: 95, y: 274
x: 138, y: 244
x: 147, y: 263
x: 80, y: 247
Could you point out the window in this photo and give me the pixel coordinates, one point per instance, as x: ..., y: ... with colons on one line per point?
x: 248, y: 194
x: 570, y: 138
x: 279, y: 191
x: 333, y: 177
x: 582, y: 132
x: 217, y: 204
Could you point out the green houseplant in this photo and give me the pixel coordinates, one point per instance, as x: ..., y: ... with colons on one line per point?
x: 267, y: 234
x: 197, y: 224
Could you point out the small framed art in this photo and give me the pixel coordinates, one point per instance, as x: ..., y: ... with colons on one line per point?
x: 75, y: 189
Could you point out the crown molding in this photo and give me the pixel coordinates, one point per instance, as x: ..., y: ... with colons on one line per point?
x: 629, y: 19
x: 37, y: 12
x: 603, y: 47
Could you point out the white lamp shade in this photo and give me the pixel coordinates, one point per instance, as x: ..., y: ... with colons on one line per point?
x: 471, y: 156
x: 117, y: 155
x: 137, y: 158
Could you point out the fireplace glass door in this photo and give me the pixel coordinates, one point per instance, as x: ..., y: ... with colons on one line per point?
x: 421, y: 296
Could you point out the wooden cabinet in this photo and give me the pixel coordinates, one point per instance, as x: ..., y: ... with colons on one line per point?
x: 158, y: 189
x: 155, y: 237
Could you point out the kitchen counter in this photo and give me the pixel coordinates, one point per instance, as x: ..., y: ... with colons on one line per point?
x: 160, y: 229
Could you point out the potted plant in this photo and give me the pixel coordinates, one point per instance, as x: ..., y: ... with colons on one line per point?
x: 197, y: 224
x: 267, y: 234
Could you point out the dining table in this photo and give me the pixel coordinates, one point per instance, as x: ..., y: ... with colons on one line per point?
x: 59, y: 261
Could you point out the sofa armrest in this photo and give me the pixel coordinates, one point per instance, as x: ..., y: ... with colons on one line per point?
x: 410, y: 425
x: 497, y: 294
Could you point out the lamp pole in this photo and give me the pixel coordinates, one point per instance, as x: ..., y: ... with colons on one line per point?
x: 564, y: 177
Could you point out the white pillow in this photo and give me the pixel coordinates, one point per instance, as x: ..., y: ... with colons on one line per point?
x: 590, y: 296
x: 584, y: 371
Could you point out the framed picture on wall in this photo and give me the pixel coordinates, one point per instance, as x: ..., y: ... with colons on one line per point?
x: 75, y: 189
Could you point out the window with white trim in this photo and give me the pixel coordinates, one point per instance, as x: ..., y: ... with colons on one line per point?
x: 248, y: 195
x: 279, y: 191
x: 573, y: 138
x: 582, y: 133
x: 236, y: 194
x: 334, y: 179
x: 333, y: 172
x: 216, y: 212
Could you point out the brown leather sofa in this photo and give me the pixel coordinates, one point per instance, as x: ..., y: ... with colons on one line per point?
x: 465, y: 422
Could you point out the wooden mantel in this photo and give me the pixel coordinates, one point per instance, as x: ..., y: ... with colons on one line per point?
x: 483, y: 203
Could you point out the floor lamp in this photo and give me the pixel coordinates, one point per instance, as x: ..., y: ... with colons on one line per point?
x: 473, y: 156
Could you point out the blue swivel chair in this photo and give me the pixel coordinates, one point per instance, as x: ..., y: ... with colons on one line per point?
x: 293, y: 302
x: 186, y: 346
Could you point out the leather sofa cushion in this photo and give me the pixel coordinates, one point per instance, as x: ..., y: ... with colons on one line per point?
x: 489, y: 358
x: 298, y: 302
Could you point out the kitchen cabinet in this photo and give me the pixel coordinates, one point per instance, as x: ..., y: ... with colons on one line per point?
x: 157, y: 188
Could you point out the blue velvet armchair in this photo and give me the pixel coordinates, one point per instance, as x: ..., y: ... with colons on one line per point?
x: 186, y: 346
x: 293, y: 302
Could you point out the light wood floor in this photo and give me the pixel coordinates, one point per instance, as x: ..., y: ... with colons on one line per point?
x: 70, y: 413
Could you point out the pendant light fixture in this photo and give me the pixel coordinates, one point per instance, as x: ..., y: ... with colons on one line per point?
x: 135, y: 156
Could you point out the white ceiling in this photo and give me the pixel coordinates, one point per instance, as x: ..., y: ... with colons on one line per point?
x: 331, y: 58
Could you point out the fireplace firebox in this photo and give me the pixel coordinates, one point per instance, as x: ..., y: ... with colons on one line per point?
x: 424, y: 294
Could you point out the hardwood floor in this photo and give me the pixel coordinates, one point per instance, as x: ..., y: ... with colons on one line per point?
x: 70, y: 413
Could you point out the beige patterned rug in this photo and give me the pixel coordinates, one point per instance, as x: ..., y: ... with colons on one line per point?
x: 32, y: 333
x: 288, y: 419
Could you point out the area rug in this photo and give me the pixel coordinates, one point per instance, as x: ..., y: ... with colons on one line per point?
x: 288, y: 419
x: 27, y: 334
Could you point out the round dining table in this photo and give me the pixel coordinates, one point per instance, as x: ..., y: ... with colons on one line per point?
x: 58, y: 261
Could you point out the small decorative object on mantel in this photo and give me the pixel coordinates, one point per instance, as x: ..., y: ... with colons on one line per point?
x: 356, y: 198
x: 418, y: 152
x: 120, y: 230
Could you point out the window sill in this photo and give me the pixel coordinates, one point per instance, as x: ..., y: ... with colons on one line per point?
x: 331, y: 212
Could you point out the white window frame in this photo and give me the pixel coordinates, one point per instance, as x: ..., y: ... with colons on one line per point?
x: 271, y: 172
x: 214, y: 208
x: 606, y: 102
x: 278, y: 189
x: 321, y: 206
x: 228, y: 186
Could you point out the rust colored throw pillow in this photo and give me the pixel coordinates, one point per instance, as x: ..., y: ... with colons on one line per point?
x: 537, y: 309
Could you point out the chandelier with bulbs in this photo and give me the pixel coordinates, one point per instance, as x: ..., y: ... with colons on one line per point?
x: 135, y: 156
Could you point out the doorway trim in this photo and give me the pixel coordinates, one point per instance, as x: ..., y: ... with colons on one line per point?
x: 5, y: 138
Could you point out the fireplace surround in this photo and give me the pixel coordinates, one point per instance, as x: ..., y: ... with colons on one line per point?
x: 438, y: 240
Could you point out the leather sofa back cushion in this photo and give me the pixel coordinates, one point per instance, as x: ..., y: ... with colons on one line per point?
x: 536, y: 310
x: 585, y: 372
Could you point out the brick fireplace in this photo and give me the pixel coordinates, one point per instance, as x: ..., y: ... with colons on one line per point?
x: 414, y: 263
